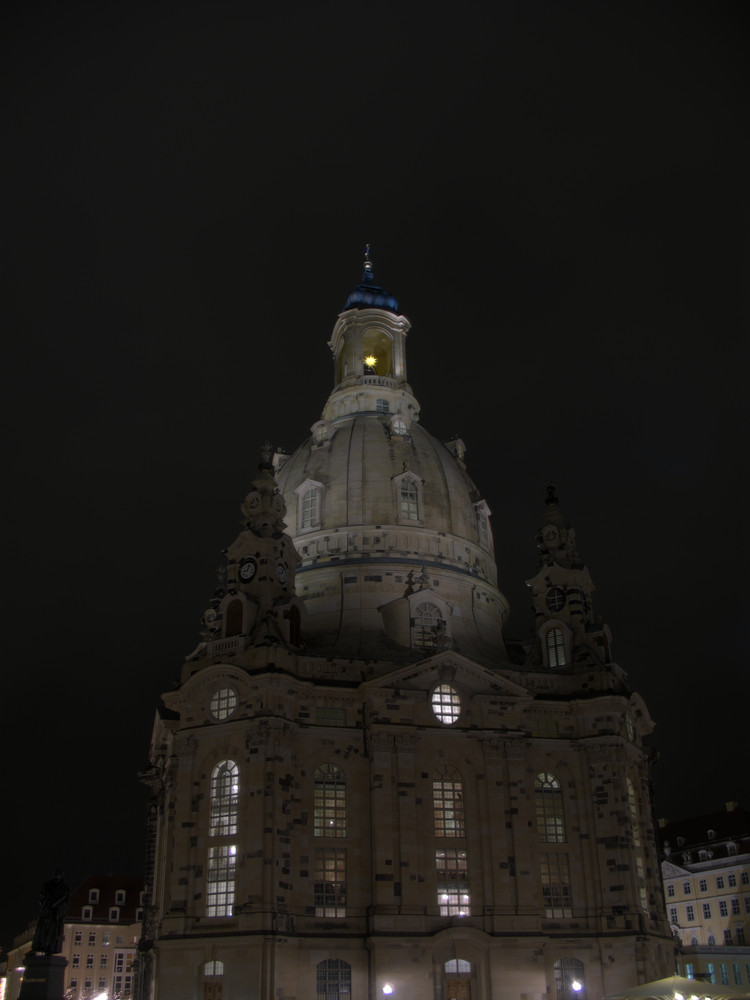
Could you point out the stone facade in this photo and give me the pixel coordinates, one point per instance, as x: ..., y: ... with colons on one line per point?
x: 356, y: 792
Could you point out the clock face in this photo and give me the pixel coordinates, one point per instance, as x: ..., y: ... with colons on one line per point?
x: 278, y: 503
x: 550, y: 534
x: 281, y: 573
x: 556, y: 599
x: 248, y: 569
x: 253, y: 501
x: 209, y: 616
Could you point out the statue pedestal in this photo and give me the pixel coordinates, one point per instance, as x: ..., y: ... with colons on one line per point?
x: 44, y: 978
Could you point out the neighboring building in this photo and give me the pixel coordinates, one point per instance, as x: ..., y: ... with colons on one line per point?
x: 102, y: 929
x: 706, y: 875
x: 356, y: 791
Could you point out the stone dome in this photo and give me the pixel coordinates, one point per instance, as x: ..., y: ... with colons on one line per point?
x: 394, y: 537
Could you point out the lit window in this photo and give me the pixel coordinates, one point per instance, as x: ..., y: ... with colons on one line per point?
x: 555, y: 644
x: 550, y: 819
x: 105, y: 938
x: 334, y: 980
x: 457, y: 967
x: 446, y: 704
x: 427, y: 625
x: 309, y: 516
x: 689, y: 970
x: 213, y: 969
x: 329, y: 812
x: 569, y: 979
x: 555, y: 874
x: 689, y: 912
x: 448, y: 802
x: 408, y: 508
x: 221, y: 872
x: 212, y: 984
x: 711, y: 970
x: 225, y: 791
x: 223, y: 703
x: 452, y: 883
x: 736, y: 966
x: 731, y: 848
x: 399, y: 426
x: 330, y: 882
x: 723, y: 970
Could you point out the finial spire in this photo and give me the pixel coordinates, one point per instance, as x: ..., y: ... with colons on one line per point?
x: 265, y: 456
x: 367, y: 275
x: 551, y: 495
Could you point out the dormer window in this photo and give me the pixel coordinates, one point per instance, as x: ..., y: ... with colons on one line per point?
x: 93, y: 895
x: 87, y: 913
x: 309, y: 503
x: 120, y: 896
x: 399, y: 425
x: 407, y: 495
x: 114, y: 913
x: 481, y: 510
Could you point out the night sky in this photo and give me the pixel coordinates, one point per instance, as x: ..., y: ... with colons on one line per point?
x: 556, y: 192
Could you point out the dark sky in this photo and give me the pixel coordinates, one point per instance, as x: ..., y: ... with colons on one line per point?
x: 558, y: 195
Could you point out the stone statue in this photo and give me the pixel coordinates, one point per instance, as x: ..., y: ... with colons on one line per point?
x: 53, y: 905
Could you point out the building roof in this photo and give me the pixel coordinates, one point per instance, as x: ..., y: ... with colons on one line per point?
x: 710, y: 829
x: 103, y: 901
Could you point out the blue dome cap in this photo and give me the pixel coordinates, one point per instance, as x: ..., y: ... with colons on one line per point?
x: 368, y: 295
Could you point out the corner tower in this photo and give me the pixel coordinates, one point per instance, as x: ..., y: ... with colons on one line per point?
x: 397, y: 558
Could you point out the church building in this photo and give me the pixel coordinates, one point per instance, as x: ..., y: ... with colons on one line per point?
x: 356, y: 792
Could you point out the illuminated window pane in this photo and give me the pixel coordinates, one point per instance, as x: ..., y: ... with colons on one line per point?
x: 221, y: 873
x: 452, y: 883
x: 329, y: 819
x: 408, y: 498
x: 225, y: 794
x: 334, y: 980
x: 569, y: 979
x: 555, y: 641
x: 446, y: 704
x: 309, y: 517
x: 555, y: 876
x: 550, y: 819
x: 330, y: 882
x: 223, y: 703
x: 448, y: 802
x: 457, y: 967
x: 427, y: 625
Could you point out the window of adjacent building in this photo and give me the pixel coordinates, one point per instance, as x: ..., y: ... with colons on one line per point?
x: 731, y: 848
x: 78, y: 937
x: 723, y: 970
x: 723, y: 908
x: 732, y: 880
x: 103, y: 961
x: 329, y: 806
x: 426, y: 625
x: 86, y: 913
x: 706, y: 911
x: 122, y: 987
x: 711, y: 972
x: 555, y: 874
x: 745, y: 878
x: 727, y: 936
x: 382, y: 406
x: 550, y: 818
x: 105, y: 938
x: 74, y: 986
x: 719, y: 881
x: 747, y: 904
x: 569, y: 979
x: 737, y: 973
x: 555, y: 644
x: 92, y: 937
x: 76, y: 960
x: 670, y: 889
x: 686, y: 888
x: 741, y: 937
x: 221, y: 875
x: 102, y: 984
x: 448, y: 801
x: 703, y: 885
x: 223, y: 703
x: 452, y: 882
x: 212, y: 980
x: 87, y: 984
x: 93, y: 895
x: 689, y: 970
x: 330, y: 882
x: 233, y: 618
x: 711, y: 941
x: 673, y: 914
x: 735, y: 907
x: 689, y: 912
x: 446, y: 704
x: 120, y: 896
x: 89, y: 961
x: 225, y: 794
x: 114, y: 913
x: 334, y: 980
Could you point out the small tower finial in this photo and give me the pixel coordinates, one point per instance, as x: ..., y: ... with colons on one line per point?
x: 551, y: 495
x: 266, y: 449
x: 368, y: 263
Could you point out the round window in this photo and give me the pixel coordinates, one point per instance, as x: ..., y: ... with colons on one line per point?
x: 223, y: 703
x: 446, y: 704
x: 556, y: 599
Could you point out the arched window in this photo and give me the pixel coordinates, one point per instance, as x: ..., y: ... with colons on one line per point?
x: 329, y: 807
x: 427, y: 625
x: 212, y: 985
x: 225, y: 794
x: 569, y: 979
x: 233, y: 618
x: 457, y: 967
x: 550, y: 818
x: 448, y: 801
x: 555, y: 644
x: 334, y: 980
